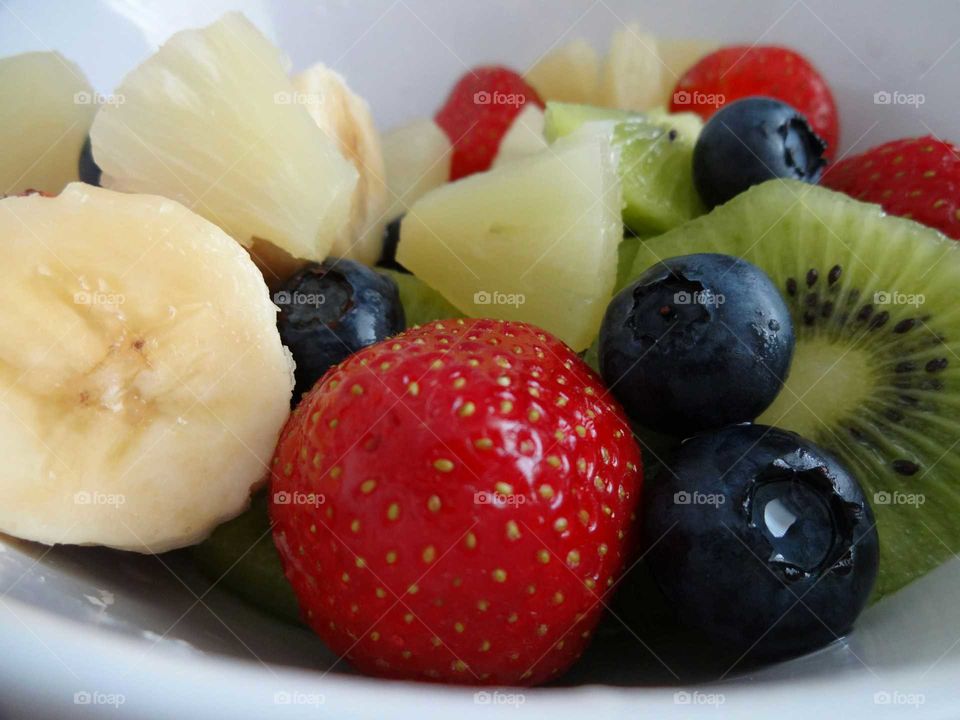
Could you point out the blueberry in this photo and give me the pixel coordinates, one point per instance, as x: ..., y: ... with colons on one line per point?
x: 695, y: 343
x: 89, y: 171
x: 391, y: 239
x: 331, y: 310
x: 762, y: 541
x: 751, y: 141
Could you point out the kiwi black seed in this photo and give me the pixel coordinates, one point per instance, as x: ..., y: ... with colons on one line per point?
x: 876, y: 372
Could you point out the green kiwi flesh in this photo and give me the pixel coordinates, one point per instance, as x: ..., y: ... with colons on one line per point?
x: 876, y: 373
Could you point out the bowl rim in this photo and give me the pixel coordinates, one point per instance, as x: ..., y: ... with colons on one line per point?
x: 30, y: 632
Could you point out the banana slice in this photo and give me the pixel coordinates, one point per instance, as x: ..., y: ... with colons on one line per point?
x: 143, y: 383
x: 345, y: 117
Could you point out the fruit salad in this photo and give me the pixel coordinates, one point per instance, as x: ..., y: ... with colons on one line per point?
x: 620, y: 331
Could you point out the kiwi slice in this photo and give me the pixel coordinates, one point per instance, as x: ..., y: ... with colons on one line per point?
x: 240, y: 555
x: 421, y: 303
x: 656, y: 161
x: 561, y: 119
x: 876, y: 372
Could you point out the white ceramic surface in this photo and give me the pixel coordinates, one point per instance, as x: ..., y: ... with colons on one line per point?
x: 145, y: 637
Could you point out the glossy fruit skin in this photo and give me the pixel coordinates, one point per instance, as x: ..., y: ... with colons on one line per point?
x: 478, y: 113
x: 695, y: 343
x: 89, y: 171
x: 751, y: 141
x: 332, y: 309
x: 712, y: 524
x: 479, y: 462
x: 737, y: 72
x: 917, y: 178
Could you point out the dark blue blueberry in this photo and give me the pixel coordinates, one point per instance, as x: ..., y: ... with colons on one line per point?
x: 331, y: 310
x: 751, y: 141
x: 695, y: 343
x: 391, y: 238
x: 89, y: 170
x: 761, y: 540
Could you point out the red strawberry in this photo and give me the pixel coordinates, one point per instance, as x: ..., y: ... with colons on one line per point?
x: 916, y: 178
x: 736, y: 72
x: 478, y: 501
x: 478, y: 113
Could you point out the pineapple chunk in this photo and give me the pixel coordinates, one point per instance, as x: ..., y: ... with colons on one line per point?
x: 568, y: 74
x: 533, y: 240
x: 213, y: 121
x: 525, y: 136
x: 417, y: 157
x: 632, y: 75
x: 47, y: 109
x: 345, y: 117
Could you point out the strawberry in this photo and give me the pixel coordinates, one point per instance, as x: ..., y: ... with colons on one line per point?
x: 478, y: 113
x: 916, y: 178
x: 736, y: 72
x: 454, y: 503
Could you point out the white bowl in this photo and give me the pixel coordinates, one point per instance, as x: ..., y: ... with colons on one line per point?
x: 100, y: 632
